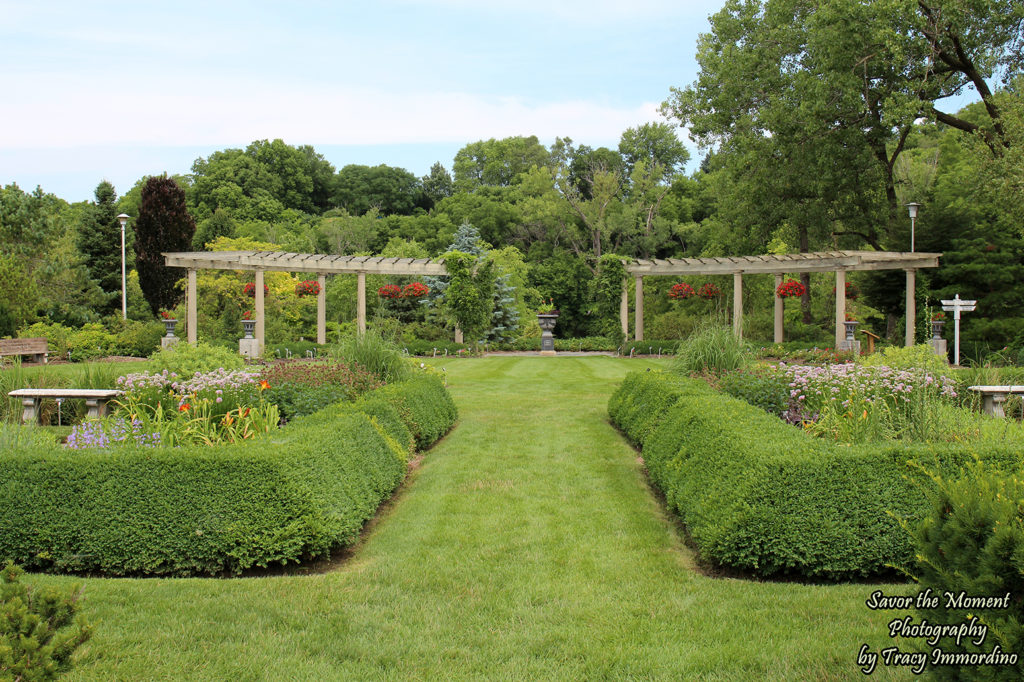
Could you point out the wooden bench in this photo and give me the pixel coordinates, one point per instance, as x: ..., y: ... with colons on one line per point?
x: 993, y: 397
x: 95, y: 400
x: 36, y: 347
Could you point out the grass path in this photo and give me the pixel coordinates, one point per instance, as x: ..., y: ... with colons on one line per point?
x: 527, y: 546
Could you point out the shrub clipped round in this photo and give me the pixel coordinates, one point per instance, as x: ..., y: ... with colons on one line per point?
x: 184, y: 359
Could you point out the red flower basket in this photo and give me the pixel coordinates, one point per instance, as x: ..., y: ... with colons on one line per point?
x: 709, y: 291
x: 250, y: 290
x: 852, y: 291
x: 390, y: 291
x: 309, y: 287
x: 790, y: 289
x: 681, y: 291
x: 415, y: 290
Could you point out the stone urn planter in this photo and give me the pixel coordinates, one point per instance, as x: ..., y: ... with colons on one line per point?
x: 937, y: 326
x: 547, y: 324
x: 851, y: 329
x: 249, y: 327
x: 169, y: 328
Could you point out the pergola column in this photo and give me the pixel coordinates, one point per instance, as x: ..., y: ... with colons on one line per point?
x: 840, y: 307
x: 737, y: 304
x: 911, y: 306
x: 361, y: 302
x: 321, y: 309
x: 778, y: 308
x: 191, y: 315
x: 638, y: 322
x: 261, y: 326
x: 624, y: 308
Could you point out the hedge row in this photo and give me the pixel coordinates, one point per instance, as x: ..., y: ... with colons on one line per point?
x: 760, y: 495
x: 293, y: 495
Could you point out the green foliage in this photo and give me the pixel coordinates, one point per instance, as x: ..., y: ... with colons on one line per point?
x: 713, y: 348
x: 39, y: 629
x: 90, y: 342
x: 163, y: 225
x: 301, y: 388
x: 97, y: 239
x: 374, y: 353
x: 971, y: 542
x: 761, y: 387
x: 920, y: 357
x: 380, y: 190
x: 469, y: 296
x: 496, y: 162
x: 295, y: 494
x: 611, y: 273
x: 760, y: 495
x: 186, y: 359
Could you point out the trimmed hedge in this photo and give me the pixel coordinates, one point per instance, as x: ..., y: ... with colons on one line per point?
x: 296, y: 494
x: 760, y: 495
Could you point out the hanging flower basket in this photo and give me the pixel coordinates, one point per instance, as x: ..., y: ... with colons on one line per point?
x: 250, y: 290
x: 709, y: 291
x: 790, y: 289
x: 681, y: 291
x: 390, y: 291
x: 309, y: 287
x: 415, y: 290
x: 852, y: 291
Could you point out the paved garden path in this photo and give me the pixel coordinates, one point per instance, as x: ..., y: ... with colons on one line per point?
x: 526, y: 546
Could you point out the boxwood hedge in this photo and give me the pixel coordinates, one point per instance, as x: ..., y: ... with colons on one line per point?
x: 760, y: 495
x: 295, y: 494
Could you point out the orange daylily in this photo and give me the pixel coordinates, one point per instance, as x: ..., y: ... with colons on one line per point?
x: 184, y: 407
x: 264, y: 385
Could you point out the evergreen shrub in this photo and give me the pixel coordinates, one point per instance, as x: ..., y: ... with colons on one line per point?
x: 295, y: 494
x: 972, y: 542
x: 760, y: 495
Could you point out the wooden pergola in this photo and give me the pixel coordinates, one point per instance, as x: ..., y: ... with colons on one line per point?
x: 278, y: 261
x: 839, y: 262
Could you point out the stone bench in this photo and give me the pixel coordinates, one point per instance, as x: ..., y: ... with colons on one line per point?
x: 993, y: 397
x: 35, y: 347
x: 95, y: 400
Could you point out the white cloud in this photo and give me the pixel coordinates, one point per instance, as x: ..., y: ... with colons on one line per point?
x: 72, y: 113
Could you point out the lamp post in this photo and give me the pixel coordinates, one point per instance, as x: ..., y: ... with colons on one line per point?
x: 123, y: 219
x: 912, y: 208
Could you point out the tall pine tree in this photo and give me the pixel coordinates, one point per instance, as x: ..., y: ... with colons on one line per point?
x: 164, y: 224
x: 99, y: 242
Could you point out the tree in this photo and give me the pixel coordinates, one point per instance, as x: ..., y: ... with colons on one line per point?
x: 98, y: 240
x: 437, y: 185
x: 163, y: 225
x: 378, y: 189
x: 497, y: 162
x: 220, y: 224
x: 654, y: 144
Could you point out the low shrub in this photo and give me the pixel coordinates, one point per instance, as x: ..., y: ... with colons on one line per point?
x: 90, y: 342
x: 920, y: 358
x: 971, y: 543
x: 762, y: 387
x: 760, y: 495
x: 299, y: 387
x: 39, y: 628
x: 294, y: 494
x: 137, y: 339
x: 185, y: 359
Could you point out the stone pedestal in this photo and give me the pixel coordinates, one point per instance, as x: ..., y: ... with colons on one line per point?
x: 850, y: 343
x: 547, y: 340
x: 249, y: 348
x: 168, y: 341
x: 939, y: 346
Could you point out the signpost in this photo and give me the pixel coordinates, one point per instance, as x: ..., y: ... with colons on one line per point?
x: 956, y: 306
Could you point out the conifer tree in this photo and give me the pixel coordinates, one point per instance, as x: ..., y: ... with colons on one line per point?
x: 99, y: 242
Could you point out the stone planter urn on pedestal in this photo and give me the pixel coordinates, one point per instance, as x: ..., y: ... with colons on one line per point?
x: 938, y: 343
x: 850, y: 343
x: 249, y: 346
x: 937, y: 326
x: 169, y: 339
x: 547, y: 324
x: 249, y: 328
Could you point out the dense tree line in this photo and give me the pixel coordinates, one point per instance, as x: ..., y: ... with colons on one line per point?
x: 813, y: 135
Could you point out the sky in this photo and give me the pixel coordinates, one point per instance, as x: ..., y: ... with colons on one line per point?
x: 120, y: 90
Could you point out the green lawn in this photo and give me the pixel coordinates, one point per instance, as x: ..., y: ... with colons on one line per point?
x: 526, y: 546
